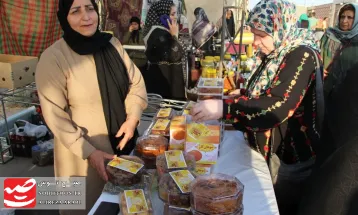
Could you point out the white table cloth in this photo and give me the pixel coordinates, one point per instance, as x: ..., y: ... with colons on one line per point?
x: 237, y: 159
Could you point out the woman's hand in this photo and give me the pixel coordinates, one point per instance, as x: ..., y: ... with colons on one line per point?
x: 207, y: 110
x: 130, y: 28
x: 97, y: 161
x: 235, y: 93
x: 127, y: 129
x: 173, y: 27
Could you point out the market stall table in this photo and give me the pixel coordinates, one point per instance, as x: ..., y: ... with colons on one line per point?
x: 237, y: 159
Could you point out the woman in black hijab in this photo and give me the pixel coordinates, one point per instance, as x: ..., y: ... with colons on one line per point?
x: 92, y: 96
x: 165, y: 75
x: 134, y: 36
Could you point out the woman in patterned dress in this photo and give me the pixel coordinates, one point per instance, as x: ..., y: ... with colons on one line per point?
x: 277, y: 113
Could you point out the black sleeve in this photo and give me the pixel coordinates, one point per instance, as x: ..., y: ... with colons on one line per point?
x: 162, y: 46
x: 281, y: 100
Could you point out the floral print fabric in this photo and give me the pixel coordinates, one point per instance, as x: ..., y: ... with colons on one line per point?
x: 277, y: 19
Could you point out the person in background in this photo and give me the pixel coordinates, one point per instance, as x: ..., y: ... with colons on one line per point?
x: 303, y: 21
x: 333, y: 187
x: 230, y: 22
x: 345, y: 57
x: 340, y: 40
x: 319, y: 32
x: 203, y: 30
x: 312, y: 20
x: 165, y: 75
x: 135, y: 37
x: 91, y: 95
x: 278, y: 112
x: 325, y: 24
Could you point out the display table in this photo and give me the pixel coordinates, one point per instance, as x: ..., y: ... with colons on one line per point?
x: 236, y: 158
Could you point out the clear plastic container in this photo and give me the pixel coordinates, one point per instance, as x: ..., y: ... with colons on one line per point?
x: 211, y: 85
x: 170, y: 210
x: 238, y: 212
x: 149, y: 147
x: 123, y: 178
x: 208, y: 96
x: 216, y: 194
x: 124, y: 206
x: 170, y: 193
x: 161, y: 127
x: 162, y: 167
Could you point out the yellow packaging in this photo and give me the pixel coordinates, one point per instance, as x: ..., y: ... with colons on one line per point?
x: 126, y: 165
x: 177, y: 133
x: 164, y: 113
x: 135, y: 201
x: 204, y: 153
x: 182, y: 178
x: 161, y: 127
x: 175, y: 159
x: 202, y: 169
x: 201, y: 133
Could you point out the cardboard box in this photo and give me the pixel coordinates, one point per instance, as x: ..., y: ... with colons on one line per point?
x: 177, y: 133
x: 201, y: 169
x: 204, y: 153
x: 17, y: 71
x: 202, y: 133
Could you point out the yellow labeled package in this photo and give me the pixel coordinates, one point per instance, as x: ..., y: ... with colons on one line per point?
x: 201, y: 133
x: 161, y: 127
x: 177, y: 133
x: 126, y: 165
x: 135, y: 201
x: 202, y: 169
x: 182, y: 178
x: 165, y: 113
x: 175, y: 159
x: 204, y: 153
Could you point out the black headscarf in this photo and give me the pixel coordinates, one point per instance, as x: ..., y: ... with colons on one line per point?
x: 112, y: 74
x: 135, y: 33
x: 157, y: 9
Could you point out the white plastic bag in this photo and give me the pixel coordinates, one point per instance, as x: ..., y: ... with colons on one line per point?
x: 24, y: 128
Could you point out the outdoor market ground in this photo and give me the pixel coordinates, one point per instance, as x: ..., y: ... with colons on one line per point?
x: 23, y: 167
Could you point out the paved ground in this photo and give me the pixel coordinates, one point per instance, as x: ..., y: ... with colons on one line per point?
x: 23, y: 167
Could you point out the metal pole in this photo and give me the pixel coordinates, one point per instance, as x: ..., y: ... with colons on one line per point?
x: 222, y: 51
x: 5, y: 119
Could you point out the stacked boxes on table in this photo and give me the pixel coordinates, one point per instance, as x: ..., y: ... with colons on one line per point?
x: 17, y: 71
x: 210, y: 88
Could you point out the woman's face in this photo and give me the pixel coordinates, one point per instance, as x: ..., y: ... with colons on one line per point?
x: 346, y: 20
x: 263, y: 41
x: 83, y: 18
x: 173, y: 13
x: 228, y: 14
x: 135, y: 26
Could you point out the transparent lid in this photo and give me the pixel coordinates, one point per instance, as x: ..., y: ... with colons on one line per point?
x: 189, y: 160
x: 216, y: 187
x: 132, y: 158
x: 168, y: 184
x: 211, y: 83
x: 151, y: 146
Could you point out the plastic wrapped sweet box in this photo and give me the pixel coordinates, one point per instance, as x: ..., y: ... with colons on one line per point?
x: 216, y: 194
